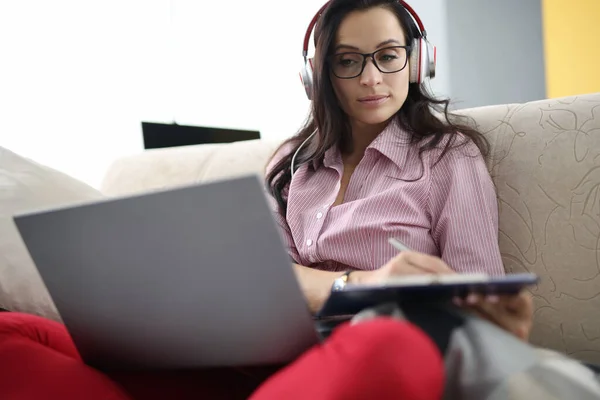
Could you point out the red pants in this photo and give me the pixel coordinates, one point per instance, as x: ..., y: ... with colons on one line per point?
x: 380, y: 359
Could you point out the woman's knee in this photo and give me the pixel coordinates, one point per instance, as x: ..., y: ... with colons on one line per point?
x: 394, y: 353
x: 384, y: 336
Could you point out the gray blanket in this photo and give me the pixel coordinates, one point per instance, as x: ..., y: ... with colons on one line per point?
x: 484, y: 362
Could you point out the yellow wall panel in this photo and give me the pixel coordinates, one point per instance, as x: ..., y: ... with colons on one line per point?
x: 571, y: 46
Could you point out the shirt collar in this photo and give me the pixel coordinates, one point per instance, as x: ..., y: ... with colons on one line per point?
x: 392, y: 143
x: 332, y: 157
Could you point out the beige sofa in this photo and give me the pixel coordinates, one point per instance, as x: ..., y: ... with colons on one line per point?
x: 546, y: 166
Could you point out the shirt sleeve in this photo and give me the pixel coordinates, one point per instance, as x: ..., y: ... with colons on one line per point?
x: 284, y: 229
x: 464, y: 212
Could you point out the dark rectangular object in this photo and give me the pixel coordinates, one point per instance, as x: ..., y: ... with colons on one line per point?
x: 355, y: 298
x: 157, y: 135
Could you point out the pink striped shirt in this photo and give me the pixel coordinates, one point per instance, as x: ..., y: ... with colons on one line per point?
x: 449, y: 211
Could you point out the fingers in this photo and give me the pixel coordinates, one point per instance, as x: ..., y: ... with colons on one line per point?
x: 520, y: 302
x: 510, y: 312
x: 420, y: 263
x: 473, y: 299
x: 490, y: 311
x: 514, y: 305
x: 411, y: 269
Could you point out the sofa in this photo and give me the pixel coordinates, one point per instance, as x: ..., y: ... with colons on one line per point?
x: 545, y: 162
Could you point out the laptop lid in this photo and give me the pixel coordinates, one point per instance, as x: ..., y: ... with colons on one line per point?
x: 195, y: 276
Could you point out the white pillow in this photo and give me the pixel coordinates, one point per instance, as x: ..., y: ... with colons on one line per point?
x: 27, y: 186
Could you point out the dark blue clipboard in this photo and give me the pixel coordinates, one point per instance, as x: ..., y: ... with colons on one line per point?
x: 355, y: 298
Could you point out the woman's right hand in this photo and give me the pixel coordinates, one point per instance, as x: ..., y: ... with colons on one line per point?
x: 511, y: 313
x: 405, y: 263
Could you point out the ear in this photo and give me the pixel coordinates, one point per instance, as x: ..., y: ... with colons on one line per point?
x: 415, y: 61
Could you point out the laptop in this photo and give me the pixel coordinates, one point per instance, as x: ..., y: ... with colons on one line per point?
x: 193, y: 276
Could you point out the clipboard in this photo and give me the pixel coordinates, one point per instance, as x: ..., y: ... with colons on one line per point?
x: 421, y: 289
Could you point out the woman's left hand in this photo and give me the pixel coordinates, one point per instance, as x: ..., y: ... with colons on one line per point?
x: 512, y: 313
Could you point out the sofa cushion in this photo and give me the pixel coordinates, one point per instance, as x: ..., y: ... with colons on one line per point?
x: 28, y: 186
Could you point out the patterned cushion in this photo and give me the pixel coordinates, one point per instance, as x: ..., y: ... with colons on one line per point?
x: 546, y: 166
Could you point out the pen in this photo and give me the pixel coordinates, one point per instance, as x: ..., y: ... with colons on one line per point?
x: 398, y: 245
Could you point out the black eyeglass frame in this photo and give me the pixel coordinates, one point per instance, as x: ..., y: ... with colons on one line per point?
x: 372, y: 57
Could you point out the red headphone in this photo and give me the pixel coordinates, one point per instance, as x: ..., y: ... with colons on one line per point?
x: 421, y: 63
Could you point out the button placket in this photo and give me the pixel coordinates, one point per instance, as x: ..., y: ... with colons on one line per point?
x: 311, y: 249
x: 311, y: 243
x: 316, y: 226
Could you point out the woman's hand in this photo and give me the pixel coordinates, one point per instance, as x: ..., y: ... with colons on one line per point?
x: 512, y: 313
x: 405, y: 263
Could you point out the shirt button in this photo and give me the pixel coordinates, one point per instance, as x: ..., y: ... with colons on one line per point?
x: 320, y: 215
x: 312, y: 259
x: 309, y: 242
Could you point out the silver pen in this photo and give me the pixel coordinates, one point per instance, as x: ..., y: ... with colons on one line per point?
x: 398, y: 245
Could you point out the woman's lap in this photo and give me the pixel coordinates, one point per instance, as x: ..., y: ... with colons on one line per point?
x: 214, y: 383
x: 38, y: 350
x: 382, y: 357
x: 38, y: 358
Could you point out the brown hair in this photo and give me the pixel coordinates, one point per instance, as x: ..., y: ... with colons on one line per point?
x: 416, y: 116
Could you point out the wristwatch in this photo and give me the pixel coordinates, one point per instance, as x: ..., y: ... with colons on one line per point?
x: 340, y: 283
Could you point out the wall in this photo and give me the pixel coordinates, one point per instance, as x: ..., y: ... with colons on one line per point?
x: 496, y: 51
x: 572, y: 46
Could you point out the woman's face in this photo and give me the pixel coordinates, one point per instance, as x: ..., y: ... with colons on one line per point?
x: 373, y: 97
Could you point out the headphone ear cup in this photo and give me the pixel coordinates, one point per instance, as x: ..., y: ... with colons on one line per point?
x: 415, y: 62
x: 306, y: 77
x: 422, y: 61
x: 431, y: 60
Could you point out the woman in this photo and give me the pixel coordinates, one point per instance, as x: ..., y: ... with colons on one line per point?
x: 380, y: 165
x: 373, y: 162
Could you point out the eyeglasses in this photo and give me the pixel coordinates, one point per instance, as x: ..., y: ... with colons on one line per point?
x: 387, y: 60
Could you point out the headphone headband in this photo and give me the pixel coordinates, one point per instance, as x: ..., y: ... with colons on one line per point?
x: 313, y: 22
x: 422, y: 59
